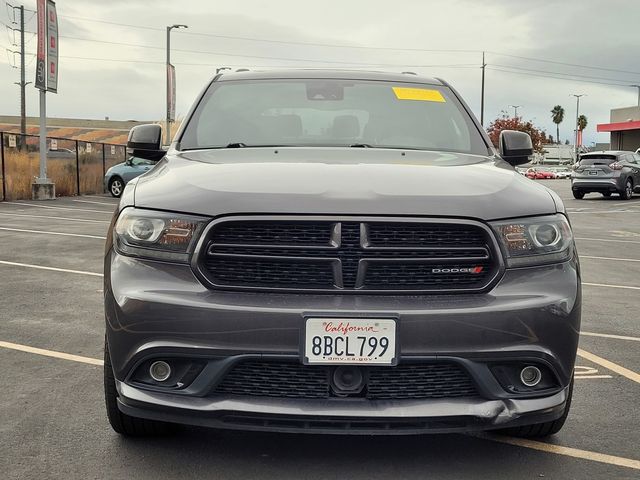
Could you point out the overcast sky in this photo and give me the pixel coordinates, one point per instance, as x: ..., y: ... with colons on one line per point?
x: 594, y: 33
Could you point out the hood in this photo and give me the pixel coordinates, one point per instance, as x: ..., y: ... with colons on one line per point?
x: 340, y: 181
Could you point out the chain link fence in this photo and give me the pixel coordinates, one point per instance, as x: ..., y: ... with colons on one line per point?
x: 76, y: 167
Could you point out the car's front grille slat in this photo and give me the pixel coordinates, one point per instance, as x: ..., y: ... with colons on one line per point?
x: 349, y: 256
x: 286, y: 379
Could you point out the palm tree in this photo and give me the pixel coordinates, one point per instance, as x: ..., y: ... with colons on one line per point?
x: 557, y: 115
x: 582, y: 122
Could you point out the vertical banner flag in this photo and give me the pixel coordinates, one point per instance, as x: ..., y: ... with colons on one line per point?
x: 579, y: 138
x: 41, y: 67
x: 171, y: 91
x: 52, y: 47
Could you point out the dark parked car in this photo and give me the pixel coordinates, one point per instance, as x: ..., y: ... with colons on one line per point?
x: 606, y: 173
x: 338, y: 252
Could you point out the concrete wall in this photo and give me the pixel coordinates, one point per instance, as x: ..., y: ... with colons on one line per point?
x: 625, y: 114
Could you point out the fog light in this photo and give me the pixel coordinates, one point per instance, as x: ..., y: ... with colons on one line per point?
x: 530, y: 376
x: 160, y: 371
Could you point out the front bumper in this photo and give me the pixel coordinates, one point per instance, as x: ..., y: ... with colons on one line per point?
x: 532, y: 313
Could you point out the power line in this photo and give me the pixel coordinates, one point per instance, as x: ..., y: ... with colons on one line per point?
x: 554, y: 77
x: 558, y: 73
x: 118, y: 60
x: 202, y: 52
x: 265, y: 40
x: 564, y: 63
x: 358, y: 47
x: 129, y: 25
x: 262, y: 57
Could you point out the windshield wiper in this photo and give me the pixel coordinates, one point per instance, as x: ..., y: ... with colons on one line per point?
x: 360, y: 145
x: 236, y: 145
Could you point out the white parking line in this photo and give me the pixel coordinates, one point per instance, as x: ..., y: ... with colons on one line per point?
x: 603, y: 211
x: 589, y: 239
x: 614, y: 367
x: 608, y: 335
x: 51, y: 353
x: 567, y: 451
x: 53, y: 269
x: 52, y: 233
x: 97, y: 203
x: 103, y: 197
x: 611, y: 258
x: 59, y: 208
x: 628, y: 287
x: 55, y: 218
x: 520, y: 442
x: 592, y: 376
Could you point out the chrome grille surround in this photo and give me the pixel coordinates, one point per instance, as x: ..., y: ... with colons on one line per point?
x: 353, y: 256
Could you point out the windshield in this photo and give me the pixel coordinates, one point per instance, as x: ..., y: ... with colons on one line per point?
x: 326, y: 113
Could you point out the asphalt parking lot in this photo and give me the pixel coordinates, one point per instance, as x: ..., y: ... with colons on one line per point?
x: 53, y: 423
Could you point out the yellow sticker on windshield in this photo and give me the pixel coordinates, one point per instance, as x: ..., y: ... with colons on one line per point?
x: 422, y: 94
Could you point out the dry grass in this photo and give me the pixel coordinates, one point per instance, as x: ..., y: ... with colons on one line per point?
x: 22, y: 167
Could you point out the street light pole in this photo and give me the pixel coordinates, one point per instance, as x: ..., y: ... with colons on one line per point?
x: 638, y: 87
x: 169, y: 83
x: 577, y: 116
x: 515, y: 109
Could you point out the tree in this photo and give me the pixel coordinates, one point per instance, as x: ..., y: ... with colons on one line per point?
x: 538, y: 137
x: 557, y: 115
x: 582, y: 122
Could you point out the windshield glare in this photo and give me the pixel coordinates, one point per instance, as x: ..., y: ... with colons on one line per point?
x: 328, y: 113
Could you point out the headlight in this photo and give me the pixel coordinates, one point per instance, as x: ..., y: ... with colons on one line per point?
x: 536, y: 240
x: 156, y: 235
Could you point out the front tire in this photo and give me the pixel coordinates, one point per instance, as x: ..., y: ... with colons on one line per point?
x: 578, y: 195
x: 627, y: 192
x: 122, y: 423
x: 116, y: 186
x: 542, y: 429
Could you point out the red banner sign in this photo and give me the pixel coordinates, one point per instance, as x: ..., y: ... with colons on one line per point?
x: 41, y: 66
x: 52, y: 47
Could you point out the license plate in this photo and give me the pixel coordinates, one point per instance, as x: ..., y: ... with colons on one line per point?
x: 350, y: 340
x: 593, y: 172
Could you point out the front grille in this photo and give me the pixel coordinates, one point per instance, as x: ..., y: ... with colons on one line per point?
x: 294, y: 380
x: 349, y: 256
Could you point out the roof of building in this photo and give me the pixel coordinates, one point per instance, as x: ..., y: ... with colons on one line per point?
x: 619, y: 126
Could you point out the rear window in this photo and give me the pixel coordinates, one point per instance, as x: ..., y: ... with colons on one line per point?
x: 327, y: 112
x: 601, y: 159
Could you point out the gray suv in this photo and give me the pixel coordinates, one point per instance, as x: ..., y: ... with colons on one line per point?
x: 338, y: 252
x: 606, y: 173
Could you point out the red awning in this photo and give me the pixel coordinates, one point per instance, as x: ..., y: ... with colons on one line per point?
x: 619, y: 126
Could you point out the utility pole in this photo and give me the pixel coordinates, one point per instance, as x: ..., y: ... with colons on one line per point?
x: 482, y: 93
x: 515, y: 110
x: 577, y: 116
x: 23, y: 83
x: 638, y: 87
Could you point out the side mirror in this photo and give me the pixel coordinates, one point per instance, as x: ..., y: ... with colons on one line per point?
x: 145, y: 142
x: 515, y: 147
